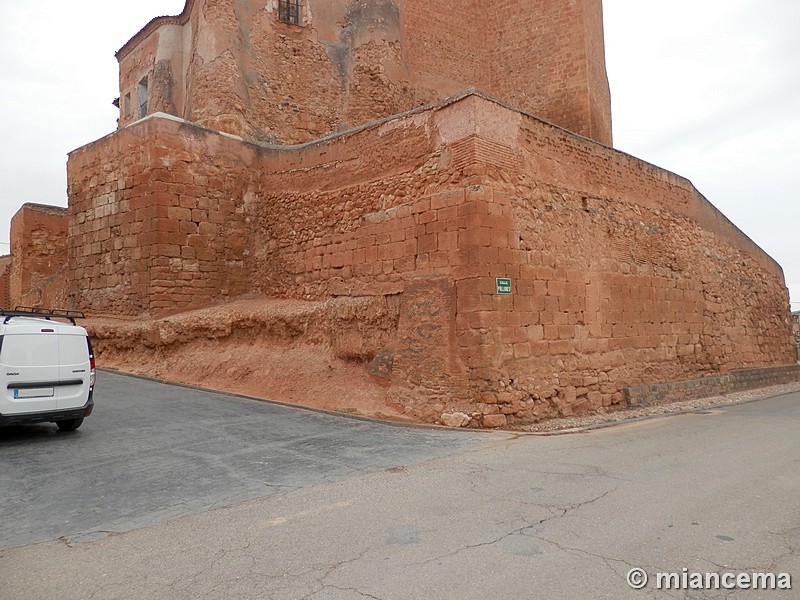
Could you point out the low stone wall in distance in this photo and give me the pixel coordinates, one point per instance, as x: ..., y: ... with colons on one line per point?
x: 735, y: 381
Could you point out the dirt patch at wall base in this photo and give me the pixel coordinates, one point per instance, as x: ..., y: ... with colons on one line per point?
x: 288, y: 351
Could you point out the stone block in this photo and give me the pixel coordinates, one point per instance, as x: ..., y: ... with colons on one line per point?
x: 493, y: 421
x: 455, y: 419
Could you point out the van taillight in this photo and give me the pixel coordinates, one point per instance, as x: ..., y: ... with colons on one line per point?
x: 92, y: 373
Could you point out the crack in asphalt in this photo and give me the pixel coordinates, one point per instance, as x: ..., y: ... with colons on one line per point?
x: 320, y: 583
x: 573, y: 507
x: 83, y: 537
x: 529, y: 525
x: 791, y: 545
x: 607, y: 560
x: 350, y: 589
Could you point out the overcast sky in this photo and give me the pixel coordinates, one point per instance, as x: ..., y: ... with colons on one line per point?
x: 709, y: 89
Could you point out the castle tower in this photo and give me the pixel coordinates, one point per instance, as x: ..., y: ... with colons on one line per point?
x: 545, y: 57
x: 290, y: 71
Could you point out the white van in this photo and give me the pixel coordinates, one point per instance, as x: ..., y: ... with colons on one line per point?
x: 47, y: 370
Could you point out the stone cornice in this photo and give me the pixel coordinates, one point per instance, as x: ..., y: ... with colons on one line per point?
x: 154, y: 24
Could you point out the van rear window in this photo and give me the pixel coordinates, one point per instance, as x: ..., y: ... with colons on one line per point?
x: 29, y: 351
x: 73, y: 349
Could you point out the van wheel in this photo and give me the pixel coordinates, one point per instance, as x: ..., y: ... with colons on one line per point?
x: 69, y: 424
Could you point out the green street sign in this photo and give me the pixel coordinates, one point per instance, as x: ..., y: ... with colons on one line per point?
x: 503, y: 285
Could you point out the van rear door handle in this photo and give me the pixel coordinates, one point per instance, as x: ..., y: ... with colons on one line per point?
x: 41, y: 384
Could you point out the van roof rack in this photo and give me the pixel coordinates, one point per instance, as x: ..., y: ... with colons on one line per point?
x: 44, y: 313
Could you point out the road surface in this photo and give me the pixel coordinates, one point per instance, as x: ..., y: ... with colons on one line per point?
x: 405, y: 514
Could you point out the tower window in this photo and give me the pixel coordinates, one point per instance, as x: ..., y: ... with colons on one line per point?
x: 143, y: 98
x: 289, y: 11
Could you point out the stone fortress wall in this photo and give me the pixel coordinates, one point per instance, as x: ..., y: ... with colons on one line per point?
x: 35, y: 269
x: 622, y: 274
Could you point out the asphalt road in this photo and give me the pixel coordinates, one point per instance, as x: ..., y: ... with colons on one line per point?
x: 152, y: 452
x: 498, y: 518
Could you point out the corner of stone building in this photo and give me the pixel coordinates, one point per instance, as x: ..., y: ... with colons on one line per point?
x: 599, y: 91
x: 147, y: 218
x: 38, y: 267
x: 5, y: 281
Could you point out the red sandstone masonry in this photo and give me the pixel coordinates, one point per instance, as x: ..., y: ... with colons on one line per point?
x: 38, y: 255
x: 5, y: 281
x: 621, y: 273
x: 237, y: 68
x: 568, y: 75
x: 146, y: 236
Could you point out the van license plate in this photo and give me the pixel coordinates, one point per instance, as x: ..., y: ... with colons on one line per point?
x: 34, y: 393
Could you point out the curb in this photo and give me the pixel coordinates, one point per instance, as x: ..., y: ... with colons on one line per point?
x: 512, y: 433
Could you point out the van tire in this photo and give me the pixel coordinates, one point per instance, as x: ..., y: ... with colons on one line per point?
x: 69, y: 424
